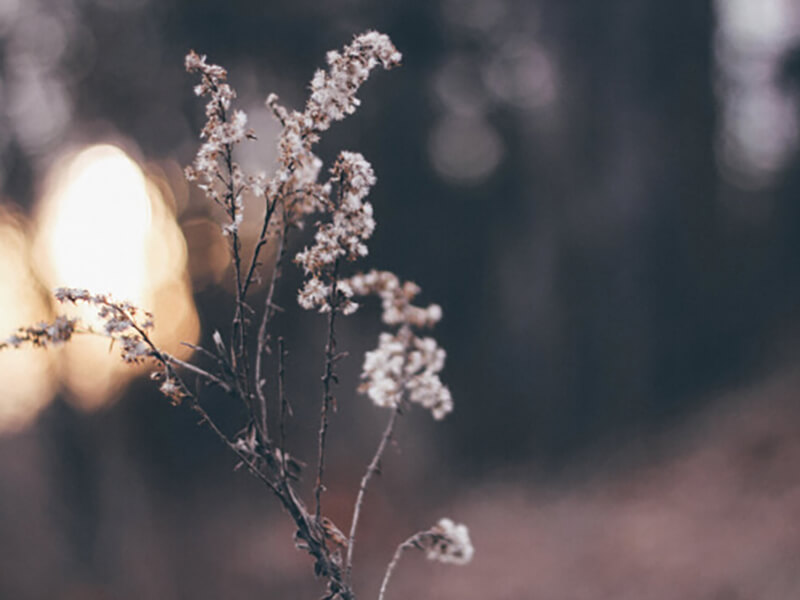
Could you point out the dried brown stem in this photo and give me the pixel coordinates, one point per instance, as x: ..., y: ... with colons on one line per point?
x: 307, y: 531
x: 412, y: 542
x: 372, y: 469
x: 327, y: 378
x: 269, y: 311
x: 283, y: 406
x: 239, y: 330
x: 197, y: 370
x: 262, y: 240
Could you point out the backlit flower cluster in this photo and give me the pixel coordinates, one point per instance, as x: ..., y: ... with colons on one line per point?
x: 448, y: 542
x: 350, y: 226
x: 404, y: 365
x: 221, y: 179
x: 42, y: 335
x: 121, y: 321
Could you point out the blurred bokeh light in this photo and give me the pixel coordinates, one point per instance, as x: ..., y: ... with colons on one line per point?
x: 28, y: 381
x: 103, y: 226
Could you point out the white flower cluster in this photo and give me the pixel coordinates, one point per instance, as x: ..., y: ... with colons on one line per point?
x: 351, y: 225
x: 333, y: 97
x: 298, y: 166
x: 333, y: 93
x: 395, y: 299
x: 448, y: 542
x: 404, y: 365
x: 221, y: 179
x: 121, y: 321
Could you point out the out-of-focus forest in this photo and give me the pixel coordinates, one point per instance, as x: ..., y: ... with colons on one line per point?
x: 604, y: 197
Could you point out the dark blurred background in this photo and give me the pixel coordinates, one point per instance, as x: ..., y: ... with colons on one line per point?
x: 603, y: 197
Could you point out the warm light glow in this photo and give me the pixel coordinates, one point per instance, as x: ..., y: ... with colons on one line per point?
x: 104, y: 227
x: 27, y: 379
x: 95, y: 222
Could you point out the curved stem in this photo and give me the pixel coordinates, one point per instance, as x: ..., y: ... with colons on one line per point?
x: 407, y: 545
x: 372, y: 468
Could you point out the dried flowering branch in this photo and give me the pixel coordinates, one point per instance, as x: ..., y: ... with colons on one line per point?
x: 42, y: 334
x: 402, y: 371
x: 221, y: 179
x: 120, y: 323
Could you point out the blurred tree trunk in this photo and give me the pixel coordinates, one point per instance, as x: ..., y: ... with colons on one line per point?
x: 635, y: 224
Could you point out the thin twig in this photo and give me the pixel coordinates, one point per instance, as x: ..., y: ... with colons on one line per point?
x: 262, y: 240
x: 327, y: 377
x: 239, y: 333
x: 239, y: 330
x: 306, y: 530
x: 269, y: 310
x: 198, y: 371
x: 283, y: 406
x: 410, y: 543
x: 374, y: 467
x: 202, y: 350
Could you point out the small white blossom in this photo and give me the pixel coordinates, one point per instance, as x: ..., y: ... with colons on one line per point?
x: 333, y: 93
x: 217, y: 337
x: 172, y: 390
x: 396, y: 299
x: 14, y: 340
x: 42, y: 335
x: 448, y: 542
x: 383, y: 371
x: 314, y: 294
x: 122, y: 321
x: 217, y: 175
x: 404, y: 365
x: 63, y: 294
x: 134, y: 349
x: 351, y: 225
x: 333, y: 97
x: 247, y: 443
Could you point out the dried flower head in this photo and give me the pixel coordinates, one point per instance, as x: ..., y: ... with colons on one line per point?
x: 351, y: 224
x: 333, y: 97
x: 217, y: 175
x: 42, y: 334
x: 122, y: 321
x: 447, y: 542
x: 404, y: 366
x: 396, y: 299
